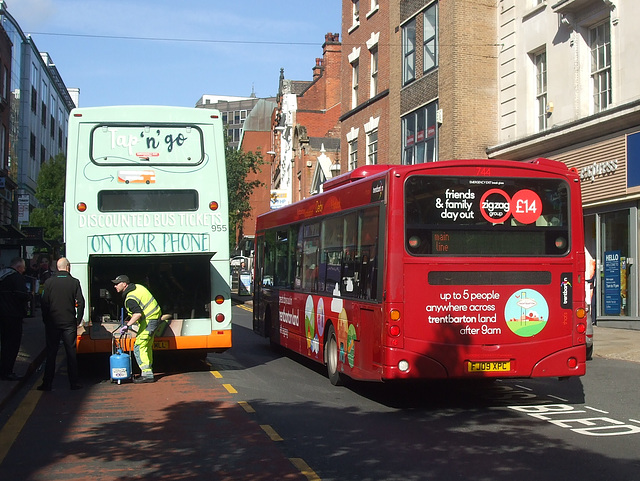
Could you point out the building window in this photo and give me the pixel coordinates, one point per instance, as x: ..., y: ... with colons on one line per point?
x: 540, y: 61
x: 419, y: 135
x: 374, y: 8
x: 3, y: 151
x: 43, y: 111
x: 374, y: 72
x: 356, y: 13
x: 430, y: 38
x: 409, y: 52
x: 34, y: 75
x: 372, y: 147
x: 355, y: 73
x: 600, y: 42
x: 4, y: 82
x: 32, y: 146
x: 353, y: 154
x: 34, y: 100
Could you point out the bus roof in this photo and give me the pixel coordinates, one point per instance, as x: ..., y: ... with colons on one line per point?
x: 369, y: 170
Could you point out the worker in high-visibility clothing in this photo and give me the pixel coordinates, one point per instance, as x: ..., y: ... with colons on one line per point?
x: 144, y: 310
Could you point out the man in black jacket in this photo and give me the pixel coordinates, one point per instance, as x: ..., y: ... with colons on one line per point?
x: 62, y: 310
x: 13, y: 308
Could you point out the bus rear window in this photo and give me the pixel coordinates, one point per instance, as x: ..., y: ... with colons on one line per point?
x: 453, y: 216
x: 148, y: 200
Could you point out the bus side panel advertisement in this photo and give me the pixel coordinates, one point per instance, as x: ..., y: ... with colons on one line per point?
x: 303, y: 320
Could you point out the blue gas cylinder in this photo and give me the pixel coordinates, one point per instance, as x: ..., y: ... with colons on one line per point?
x: 120, y: 364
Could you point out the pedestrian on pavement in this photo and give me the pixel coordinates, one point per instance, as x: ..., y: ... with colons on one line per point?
x: 62, y: 312
x: 143, y: 309
x: 43, y: 273
x: 13, y: 308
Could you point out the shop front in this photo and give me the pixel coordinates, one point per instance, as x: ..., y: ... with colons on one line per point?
x: 610, y: 176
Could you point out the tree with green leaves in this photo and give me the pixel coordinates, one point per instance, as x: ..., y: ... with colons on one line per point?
x: 50, y: 195
x: 239, y: 165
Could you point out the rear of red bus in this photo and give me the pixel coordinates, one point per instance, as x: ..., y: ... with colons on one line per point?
x: 484, y: 271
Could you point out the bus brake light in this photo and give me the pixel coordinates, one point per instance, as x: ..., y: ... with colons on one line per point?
x: 220, y: 317
x: 581, y: 328
x: 81, y: 206
x: 394, y: 328
x: 213, y: 205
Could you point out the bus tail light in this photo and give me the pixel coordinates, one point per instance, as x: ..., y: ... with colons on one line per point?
x: 394, y: 329
x: 219, y: 299
x: 81, y: 206
x: 220, y: 317
x: 580, y: 326
x: 394, y: 326
x: 572, y: 363
x: 213, y: 205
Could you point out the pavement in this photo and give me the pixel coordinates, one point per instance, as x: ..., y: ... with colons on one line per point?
x: 609, y: 343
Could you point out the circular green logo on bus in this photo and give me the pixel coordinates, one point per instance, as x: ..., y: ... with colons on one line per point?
x: 526, y: 312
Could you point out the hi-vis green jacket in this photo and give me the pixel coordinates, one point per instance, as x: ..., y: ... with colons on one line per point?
x: 139, y: 299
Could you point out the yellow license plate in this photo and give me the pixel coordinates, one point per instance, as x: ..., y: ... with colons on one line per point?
x: 161, y: 344
x: 489, y: 366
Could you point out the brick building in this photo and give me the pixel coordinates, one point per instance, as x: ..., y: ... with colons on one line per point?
x: 448, y: 103
x: 306, y: 127
x: 366, y: 117
x: 419, y: 80
x: 257, y: 137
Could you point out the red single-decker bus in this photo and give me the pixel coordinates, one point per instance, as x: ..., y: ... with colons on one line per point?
x: 452, y: 269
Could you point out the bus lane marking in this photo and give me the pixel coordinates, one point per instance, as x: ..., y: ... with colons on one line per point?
x: 304, y: 469
x: 298, y: 463
x: 563, y: 415
x: 558, y: 398
x: 271, y: 432
x: 230, y: 388
x: 246, y: 406
x: 566, y: 416
x: 597, y: 410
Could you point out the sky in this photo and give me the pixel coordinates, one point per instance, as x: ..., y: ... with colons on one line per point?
x: 160, y: 52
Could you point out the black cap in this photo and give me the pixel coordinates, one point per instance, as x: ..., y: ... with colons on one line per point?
x: 121, y: 278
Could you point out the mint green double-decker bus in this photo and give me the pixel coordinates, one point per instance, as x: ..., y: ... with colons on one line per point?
x: 146, y: 196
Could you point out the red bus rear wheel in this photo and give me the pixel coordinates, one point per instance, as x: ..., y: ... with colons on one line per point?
x: 331, y: 357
